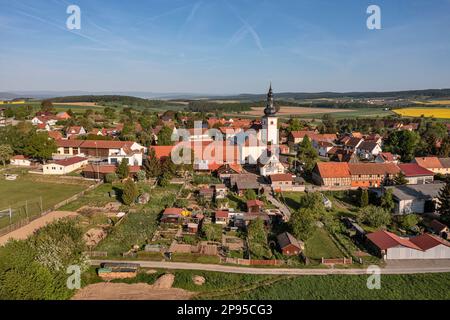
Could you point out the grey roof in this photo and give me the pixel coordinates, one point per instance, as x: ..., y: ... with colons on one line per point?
x: 367, y: 145
x: 445, y: 162
x: 245, y: 181
x: 419, y: 191
x: 285, y: 239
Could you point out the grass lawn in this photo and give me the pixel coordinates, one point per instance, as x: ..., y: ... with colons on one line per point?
x: 26, y: 188
x: 320, y: 246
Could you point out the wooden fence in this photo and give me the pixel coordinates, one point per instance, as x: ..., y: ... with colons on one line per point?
x: 26, y: 221
x: 343, y: 261
x: 95, y: 254
x: 247, y: 262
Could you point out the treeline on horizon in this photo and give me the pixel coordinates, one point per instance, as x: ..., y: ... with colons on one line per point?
x: 427, y: 93
x: 112, y: 99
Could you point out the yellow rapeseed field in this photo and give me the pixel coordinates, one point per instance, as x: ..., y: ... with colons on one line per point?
x: 439, y: 102
x: 441, y: 113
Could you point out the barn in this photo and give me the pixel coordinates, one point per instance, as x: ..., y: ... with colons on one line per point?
x: 393, y: 247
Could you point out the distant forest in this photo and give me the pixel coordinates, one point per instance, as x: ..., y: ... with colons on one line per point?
x: 429, y: 93
x: 112, y: 100
x: 208, y: 106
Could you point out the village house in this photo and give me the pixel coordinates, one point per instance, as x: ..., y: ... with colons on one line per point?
x: 50, y: 120
x: 434, y: 164
x: 366, y: 175
x: 63, y: 115
x: 322, y: 147
x: 20, y: 161
x: 220, y: 191
x: 280, y: 182
x: 206, y: 193
x: 289, y: 245
x: 222, y: 217
x: 64, y: 166
x: 351, y: 144
x: 172, y: 215
x: 296, y: 137
x: 242, y: 182
x: 416, y: 174
x: 440, y: 229
x: 332, y: 174
x: 389, y: 246
x: 362, y: 175
x: 102, y: 150
x: 421, y: 198
x: 368, y: 150
x: 387, y: 157
x: 255, y: 206
x: 99, y: 171
x: 75, y: 131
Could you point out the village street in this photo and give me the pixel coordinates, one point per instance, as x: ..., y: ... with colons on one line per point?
x: 396, y: 267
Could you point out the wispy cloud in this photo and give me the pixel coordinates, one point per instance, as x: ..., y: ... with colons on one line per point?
x: 246, y: 29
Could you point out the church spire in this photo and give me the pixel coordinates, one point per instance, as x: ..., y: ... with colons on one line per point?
x: 270, y: 109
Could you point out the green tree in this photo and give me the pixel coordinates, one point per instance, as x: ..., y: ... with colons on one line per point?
x: 307, y: 155
x: 444, y: 201
x: 141, y: 176
x: 6, y: 153
x: 257, y: 239
x: 364, y: 198
x: 123, y: 171
x: 130, y: 192
x: 313, y: 201
x: 212, y: 232
x: 47, y: 106
x: 409, y: 221
x: 39, y: 146
x: 152, y: 165
x: 387, y: 201
x: 302, y: 223
x: 374, y: 216
x: 404, y: 143
x: 165, y: 136
x: 400, y: 179
x: 250, y: 194
x: 111, y: 177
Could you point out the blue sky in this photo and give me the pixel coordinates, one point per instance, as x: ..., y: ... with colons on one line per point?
x: 224, y: 46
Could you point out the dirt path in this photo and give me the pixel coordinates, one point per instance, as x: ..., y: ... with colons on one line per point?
x: 160, y: 290
x: 29, y: 229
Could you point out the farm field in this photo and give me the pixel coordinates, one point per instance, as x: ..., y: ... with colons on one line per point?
x: 318, y: 113
x: 434, y: 102
x: 28, y: 188
x: 230, y: 286
x: 441, y: 113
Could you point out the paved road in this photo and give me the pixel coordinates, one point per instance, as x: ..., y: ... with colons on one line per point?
x: 402, y: 268
x: 283, y: 208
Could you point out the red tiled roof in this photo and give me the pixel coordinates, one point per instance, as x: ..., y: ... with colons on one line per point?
x: 221, y: 214
x: 170, y: 211
x: 437, y: 226
x: 387, y: 156
x: 427, y: 241
x: 428, y: 162
x: 69, y: 161
x: 281, y: 177
x: 385, y: 240
x: 103, y: 169
x: 302, y: 134
x: 252, y: 203
x: 413, y: 170
x: 56, y: 135
x: 333, y: 169
x: 69, y: 143
x: 19, y: 157
x: 373, y: 168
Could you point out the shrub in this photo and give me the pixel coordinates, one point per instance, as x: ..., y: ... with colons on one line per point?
x: 111, y: 177
x: 141, y: 175
x: 375, y: 216
x: 130, y: 192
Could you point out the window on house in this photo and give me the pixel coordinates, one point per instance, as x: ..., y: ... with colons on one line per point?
x: 66, y: 150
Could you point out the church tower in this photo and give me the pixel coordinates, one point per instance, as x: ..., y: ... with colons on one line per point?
x: 270, y: 121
